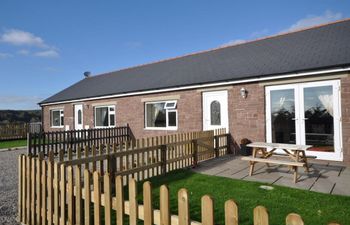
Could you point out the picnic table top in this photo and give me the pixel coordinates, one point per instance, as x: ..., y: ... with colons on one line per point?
x: 279, y: 145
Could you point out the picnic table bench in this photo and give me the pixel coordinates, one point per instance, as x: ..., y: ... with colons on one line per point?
x: 265, y: 150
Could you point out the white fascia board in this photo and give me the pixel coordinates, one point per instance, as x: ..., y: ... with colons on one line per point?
x: 283, y: 76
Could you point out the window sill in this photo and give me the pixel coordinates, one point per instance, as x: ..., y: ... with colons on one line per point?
x: 101, y: 127
x: 56, y: 127
x: 161, y: 128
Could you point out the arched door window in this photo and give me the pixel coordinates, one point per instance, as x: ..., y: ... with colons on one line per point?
x: 215, y: 117
x: 79, y: 117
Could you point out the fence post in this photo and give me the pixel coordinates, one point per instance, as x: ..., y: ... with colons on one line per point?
x: 29, y: 146
x: 216, y: 149
x: 195, y: 153
x: 163, y: 159
x: 112, y: 167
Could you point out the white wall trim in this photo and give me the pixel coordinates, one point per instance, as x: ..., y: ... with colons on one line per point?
x: 282, y: 76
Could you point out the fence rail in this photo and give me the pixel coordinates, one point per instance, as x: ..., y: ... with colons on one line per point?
x: 15, y: 131
x: 53, y: 193
x: 73, y: 139
x: 147, y: 157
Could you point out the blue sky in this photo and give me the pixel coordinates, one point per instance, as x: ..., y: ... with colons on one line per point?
x: 46, y: 46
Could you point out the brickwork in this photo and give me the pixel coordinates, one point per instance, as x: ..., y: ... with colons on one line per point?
x: 246, y: 116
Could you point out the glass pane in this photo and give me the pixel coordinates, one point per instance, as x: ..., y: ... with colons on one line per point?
x: 56, y: 115
x: 112, y: 119
x: 101, y: 117
x: 79, y: 117
x: 215, y: 118
x: 172, y: 119
x: 319, y: 124
x: 282, y: 116
x: 156, y: 116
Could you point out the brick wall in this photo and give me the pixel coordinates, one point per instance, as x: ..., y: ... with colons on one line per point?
x: 345, y: 110
x: 246, y: 116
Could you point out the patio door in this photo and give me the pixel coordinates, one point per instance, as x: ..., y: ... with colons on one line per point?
x: 215, y: 114
x: 78, y: 117
x: 306, y: 113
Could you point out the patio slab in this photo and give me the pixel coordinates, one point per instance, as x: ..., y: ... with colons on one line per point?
x: 324, y: 177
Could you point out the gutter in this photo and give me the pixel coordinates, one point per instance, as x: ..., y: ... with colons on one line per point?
x: 259, y: 79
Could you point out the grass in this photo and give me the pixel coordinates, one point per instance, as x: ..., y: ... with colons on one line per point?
x: 314, y: 208
x: 13, y: 143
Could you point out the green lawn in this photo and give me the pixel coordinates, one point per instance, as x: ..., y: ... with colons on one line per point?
x: 315, y: 208
x: 13, y: 144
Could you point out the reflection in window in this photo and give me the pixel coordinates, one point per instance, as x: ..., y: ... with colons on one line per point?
x: 104, y: 116
x: 215, y: 118
x: 282, y: 116
x: 57, y: 118
x: 318, y: 114
x: 161, y: 114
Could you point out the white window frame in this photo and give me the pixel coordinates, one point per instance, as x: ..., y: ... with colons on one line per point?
x: 170, y: 107
x: 167, y: 110
x: 60, y: 119
x: 108, y: 116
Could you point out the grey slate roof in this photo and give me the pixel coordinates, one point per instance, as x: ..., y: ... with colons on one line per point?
x: 316, y: 48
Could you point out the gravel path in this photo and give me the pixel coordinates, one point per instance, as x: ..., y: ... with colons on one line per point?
x: 8, y: 186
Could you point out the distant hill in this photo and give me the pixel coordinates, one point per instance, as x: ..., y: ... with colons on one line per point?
x: 20, y: 116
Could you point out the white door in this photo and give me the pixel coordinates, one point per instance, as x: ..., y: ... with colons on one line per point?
x: 78, y: 117
x: 306, y: 113
x: 215, y: 114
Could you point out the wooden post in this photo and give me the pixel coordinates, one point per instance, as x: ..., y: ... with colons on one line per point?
x: 207, y: 210
x: 29, y: 146
x: 147, y: 203
x: 120, y: 200
x: 108, y: 198
x: 294, y: 219
x: 70, y: 195
x: 183, y: 207
x: 231, y: 213
x: 87, y: 197
x: 261, y: 217
x: 20, y: 189
x: 216, y: 149
x: 195, y: 153
x: 163, y: 159
x: 164, y: 206
x: 133, y: 202
x: 97, y: 198
x: 63, y: 195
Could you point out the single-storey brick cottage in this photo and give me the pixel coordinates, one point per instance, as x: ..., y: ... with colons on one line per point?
x: 288, y: 88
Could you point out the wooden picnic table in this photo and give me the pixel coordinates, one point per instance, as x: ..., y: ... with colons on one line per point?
x: 262, y: 151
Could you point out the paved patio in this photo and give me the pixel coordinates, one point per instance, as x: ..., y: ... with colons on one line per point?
x: 325, y: 177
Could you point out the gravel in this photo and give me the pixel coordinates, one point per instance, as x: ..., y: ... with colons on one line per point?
x: 8, y: 186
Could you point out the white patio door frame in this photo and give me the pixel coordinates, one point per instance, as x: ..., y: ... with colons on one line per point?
x: 208, y: 98
x: 77, y: 125
x: 298, y: 88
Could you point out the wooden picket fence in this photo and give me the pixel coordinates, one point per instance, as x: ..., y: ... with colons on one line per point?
x: 73, y: 139
x: 147, y: 157
x: 13, y: 131
x: 53, y: 193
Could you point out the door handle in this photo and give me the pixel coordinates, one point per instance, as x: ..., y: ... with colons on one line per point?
x: 305, y: 118
x: 294, y: 118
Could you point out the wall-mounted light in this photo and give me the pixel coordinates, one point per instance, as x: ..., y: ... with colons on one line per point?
x: 243, y: 92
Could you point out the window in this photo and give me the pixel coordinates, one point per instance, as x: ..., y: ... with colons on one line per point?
x: 161, y: 115
x: 215, y: 118
x: 104, y: 116
x: 79, y: 117
x: 57, y: 118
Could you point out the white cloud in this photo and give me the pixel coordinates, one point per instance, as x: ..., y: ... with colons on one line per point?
x: 20, y: 38
x: 23, y: 52
x: 23, y: 38
x: 313, y: 20
x: 4, y: 55
x: 308, y: 21
x: 52, y: 53
x: 234, y: 42
x: 19, y: 102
